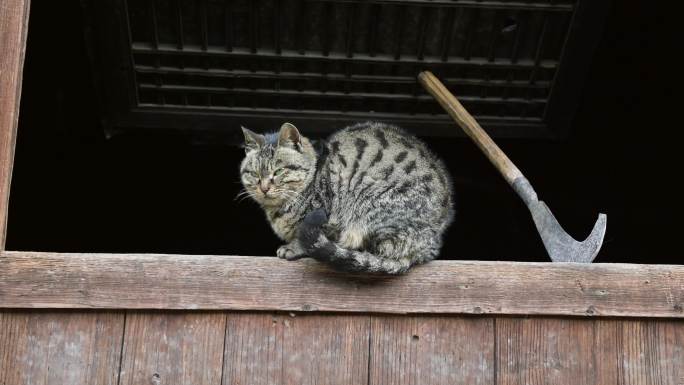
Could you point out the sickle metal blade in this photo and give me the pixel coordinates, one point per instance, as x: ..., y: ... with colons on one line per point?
x: 561, y: 246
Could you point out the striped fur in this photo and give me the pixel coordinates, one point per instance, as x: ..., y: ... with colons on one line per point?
x: 374, y: 199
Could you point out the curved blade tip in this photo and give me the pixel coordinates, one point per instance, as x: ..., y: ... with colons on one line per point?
x: 587, y: 250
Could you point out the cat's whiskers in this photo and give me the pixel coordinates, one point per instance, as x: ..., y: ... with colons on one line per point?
x: 243, y: 194
x: 245, y: 197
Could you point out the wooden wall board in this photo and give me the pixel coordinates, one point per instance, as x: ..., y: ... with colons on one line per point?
x: 265, y: 348
x: 589, y: 351
x: 54, y: 348
x: 431, y: 350
x: 651, y: 352
x: 606, y: 338
x: 253, y: 352
x: 535, y: 351
x: 173, y: 348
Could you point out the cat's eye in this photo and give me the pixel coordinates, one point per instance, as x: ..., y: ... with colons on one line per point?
x: 279, y: 171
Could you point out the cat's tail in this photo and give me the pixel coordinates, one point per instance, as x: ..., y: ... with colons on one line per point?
x: 319, y: 247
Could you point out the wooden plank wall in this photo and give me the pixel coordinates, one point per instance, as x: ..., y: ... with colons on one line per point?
x: 254, y: 348
x: 13, y: 29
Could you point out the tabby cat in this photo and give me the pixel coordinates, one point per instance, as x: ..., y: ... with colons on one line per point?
x: 372, y: 199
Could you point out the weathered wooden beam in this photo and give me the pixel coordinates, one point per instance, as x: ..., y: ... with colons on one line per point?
x: 149, y: 281
x: 13, y: 27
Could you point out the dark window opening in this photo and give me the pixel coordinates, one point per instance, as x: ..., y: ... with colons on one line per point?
x: 167, y: 189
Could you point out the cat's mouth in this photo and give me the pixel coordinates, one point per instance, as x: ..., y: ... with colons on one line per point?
x: 266, y: 198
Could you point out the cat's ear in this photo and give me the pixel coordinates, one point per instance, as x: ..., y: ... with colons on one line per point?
x: 252, y: 140
x: 289, y: 136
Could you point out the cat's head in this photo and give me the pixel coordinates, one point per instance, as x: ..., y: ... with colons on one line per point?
x: 277, y: 166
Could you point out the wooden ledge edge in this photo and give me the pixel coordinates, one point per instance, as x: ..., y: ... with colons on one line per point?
x: 209, y: 282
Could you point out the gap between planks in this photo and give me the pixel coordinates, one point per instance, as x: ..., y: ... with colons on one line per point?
x: 76, y: 347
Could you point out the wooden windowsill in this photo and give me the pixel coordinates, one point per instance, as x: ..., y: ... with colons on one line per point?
x: 153, y: 281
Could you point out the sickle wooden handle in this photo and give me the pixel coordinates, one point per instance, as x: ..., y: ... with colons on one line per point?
x: 470, y: 126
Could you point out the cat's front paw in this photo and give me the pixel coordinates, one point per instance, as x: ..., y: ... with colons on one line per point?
x: 289, y: 252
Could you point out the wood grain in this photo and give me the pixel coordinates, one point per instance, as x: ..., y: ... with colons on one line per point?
x: 471, y: 127
x: 431, y: 350
x: 42, y: 348
x: 325, y: 349
x: 253, y: 349
x: 13, y: 28
x: 583, y: 351
x: 537, y: 351
x: 173, y: 348
x: 651, y: 352
x: 298, y: 349
x: 605, y: 354
x: 147, y: 281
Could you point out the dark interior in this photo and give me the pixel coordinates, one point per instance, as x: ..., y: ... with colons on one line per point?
x: 74, y: 190
x: 205, y: 65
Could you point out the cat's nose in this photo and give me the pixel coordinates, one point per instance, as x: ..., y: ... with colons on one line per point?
x: 264, y: 186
